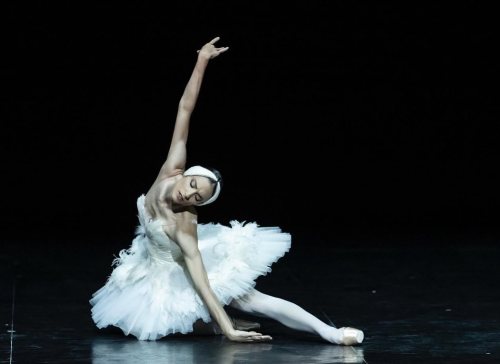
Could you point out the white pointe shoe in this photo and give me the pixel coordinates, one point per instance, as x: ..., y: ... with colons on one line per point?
x: 351, y: 336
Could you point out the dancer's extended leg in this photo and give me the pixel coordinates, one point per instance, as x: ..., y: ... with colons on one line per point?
x: 293, y: 316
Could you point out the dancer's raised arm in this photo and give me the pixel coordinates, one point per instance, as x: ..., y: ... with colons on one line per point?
x: 176, y: 159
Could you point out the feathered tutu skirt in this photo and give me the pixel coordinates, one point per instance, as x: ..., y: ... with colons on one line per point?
x: 149, y: 293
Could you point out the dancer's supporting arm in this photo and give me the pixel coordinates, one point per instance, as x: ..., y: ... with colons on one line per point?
x: 187, y: 239
x: 176, y: 158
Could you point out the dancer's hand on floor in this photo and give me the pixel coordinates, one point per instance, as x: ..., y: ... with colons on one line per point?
x: 247, y: 336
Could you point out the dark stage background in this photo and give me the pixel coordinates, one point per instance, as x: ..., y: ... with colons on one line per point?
x: 332, y: 118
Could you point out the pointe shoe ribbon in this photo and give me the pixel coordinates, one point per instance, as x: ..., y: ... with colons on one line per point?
x: 351, y: 336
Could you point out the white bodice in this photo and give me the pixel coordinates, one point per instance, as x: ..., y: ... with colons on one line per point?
x: 160, y: 247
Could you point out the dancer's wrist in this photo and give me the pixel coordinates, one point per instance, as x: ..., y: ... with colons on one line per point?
x: 230, y: 334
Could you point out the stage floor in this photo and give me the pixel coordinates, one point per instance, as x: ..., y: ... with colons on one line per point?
x: 418, y: 300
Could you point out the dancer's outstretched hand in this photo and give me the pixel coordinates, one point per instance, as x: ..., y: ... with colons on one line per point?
x: 247, y: 336
x: 209, y: 50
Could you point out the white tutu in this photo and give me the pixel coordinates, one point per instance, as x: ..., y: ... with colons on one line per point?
x: 150, y: 294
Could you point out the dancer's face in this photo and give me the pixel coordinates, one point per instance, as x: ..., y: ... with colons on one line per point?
x: 192, y: 190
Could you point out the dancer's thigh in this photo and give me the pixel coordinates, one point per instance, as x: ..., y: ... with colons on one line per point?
x: 253, y: 303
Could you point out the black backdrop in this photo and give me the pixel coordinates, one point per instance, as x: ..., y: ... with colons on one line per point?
x: 333, y: 117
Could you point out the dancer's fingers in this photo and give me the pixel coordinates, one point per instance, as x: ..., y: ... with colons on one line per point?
x: 214, y: 40
x: 260, y: 338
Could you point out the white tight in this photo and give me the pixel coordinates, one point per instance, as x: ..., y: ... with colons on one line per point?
x: 288, y: 313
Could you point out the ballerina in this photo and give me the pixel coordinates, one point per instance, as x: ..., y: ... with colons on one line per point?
x: 178, y: 275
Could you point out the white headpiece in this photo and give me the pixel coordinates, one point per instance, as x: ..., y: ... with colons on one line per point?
x: 204, y: 172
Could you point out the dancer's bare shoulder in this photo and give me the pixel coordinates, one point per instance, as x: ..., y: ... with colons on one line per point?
x: 156, y: 201
x: 174, y: 220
